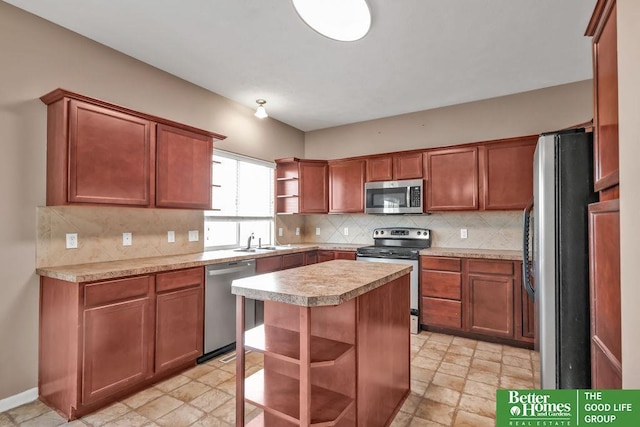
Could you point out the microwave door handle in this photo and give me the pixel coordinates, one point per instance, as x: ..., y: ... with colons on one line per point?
x: 526, y: 267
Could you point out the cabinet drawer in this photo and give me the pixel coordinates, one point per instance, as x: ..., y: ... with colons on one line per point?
x: 490, y: 267
x: 441, y: 312
x: 116, y: 290
x: 310, y: 257
x: 346, y: 255
x: 292, y: 260
x: 441, y: 284
x: 268, y: 264
x: 179, y: 279
x: 440, y: 263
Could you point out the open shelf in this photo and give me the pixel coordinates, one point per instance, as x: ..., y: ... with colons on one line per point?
x: 288, y: 178
x: 285, y: 345
x: 286, y: 196
x: 279, y: 395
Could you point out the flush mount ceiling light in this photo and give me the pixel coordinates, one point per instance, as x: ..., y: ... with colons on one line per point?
x: 261, y: 113
x: 342, y: 20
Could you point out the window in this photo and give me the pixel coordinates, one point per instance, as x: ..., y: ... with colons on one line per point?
x: 242, y: 199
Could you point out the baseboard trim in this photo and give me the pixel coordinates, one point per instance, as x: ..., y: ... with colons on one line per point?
x: 18, y: 399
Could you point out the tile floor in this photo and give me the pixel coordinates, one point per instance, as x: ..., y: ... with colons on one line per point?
x: 454, y: 382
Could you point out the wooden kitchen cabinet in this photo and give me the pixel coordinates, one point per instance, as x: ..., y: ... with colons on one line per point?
x: 101, y: 153
x: 102, y: 341
x: 310, y: 257
x: 346, y: 186
x: 506, y: 173
x: 268, y: 264
x: 179, y: 317
x: 440, y: 291
x: 451, y: 179
x: 117, y: 336
x: 183, y: 168
x: 476, y: 298
x: 328, y: 255
x: 490, y: 303
x: 302, y: 186
x: 394, y: 167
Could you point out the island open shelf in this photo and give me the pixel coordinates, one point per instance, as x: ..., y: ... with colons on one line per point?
x: 335, y: 341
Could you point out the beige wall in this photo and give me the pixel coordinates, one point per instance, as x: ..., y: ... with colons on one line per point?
x: 629, y: 114
x: 526, y: 113
x: 38, y: 57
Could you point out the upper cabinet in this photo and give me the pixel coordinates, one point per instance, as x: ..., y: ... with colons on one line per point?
x: 394, y: 167
x: 302, y: 186
x: 100, y: 153
x: 346, y: 186
x: 603, y: 28
x: 183, y: 168
x: 506, y: 173
x: 452, y: 179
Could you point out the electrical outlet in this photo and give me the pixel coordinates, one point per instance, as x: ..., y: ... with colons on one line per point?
x: 193, y: 236
x: 280, y: 233
x: 317, y: 231
x: 346, y: 231
x: 127, y: 239
x: 463, y: 233
x: 297, y: 231
x: 171, y: 236
x: 72, y: 240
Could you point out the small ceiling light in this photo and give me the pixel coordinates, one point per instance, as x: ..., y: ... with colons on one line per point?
x: 261, y: 113
x: 342, y: 20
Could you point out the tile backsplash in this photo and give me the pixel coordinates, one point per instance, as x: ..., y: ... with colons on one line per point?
x: 100, y: 231
x: 485, y: 230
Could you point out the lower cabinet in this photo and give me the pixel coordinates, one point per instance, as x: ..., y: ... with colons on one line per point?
x: 475, y: 297
x: 102, y: 341
x: 328, y: 255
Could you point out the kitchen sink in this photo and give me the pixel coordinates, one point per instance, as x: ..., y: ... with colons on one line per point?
x: 244, y: 250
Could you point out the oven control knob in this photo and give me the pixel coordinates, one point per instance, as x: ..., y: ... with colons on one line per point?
x: 382, y: 232
x: 419, y: 233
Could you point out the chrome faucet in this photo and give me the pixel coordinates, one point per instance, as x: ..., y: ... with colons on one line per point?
x: 249, y: 241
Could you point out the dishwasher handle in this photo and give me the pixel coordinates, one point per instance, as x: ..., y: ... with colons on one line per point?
x: 225, y: 271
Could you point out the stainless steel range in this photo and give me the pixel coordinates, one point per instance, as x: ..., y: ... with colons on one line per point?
x: 399, y: 245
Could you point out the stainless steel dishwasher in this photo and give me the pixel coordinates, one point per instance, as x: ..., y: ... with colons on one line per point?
x: 220, y: 307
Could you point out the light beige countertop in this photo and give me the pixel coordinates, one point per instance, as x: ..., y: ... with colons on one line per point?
x: 473, y: 253
x: 115, y: 269
x: 326, y: 283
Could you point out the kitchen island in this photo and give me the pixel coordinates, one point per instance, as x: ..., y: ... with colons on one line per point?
x: 335, y: 341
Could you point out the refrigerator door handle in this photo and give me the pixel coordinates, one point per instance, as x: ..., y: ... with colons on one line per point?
x: 526, y: 264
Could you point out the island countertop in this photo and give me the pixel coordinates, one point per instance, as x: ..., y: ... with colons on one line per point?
x: 327, y: 283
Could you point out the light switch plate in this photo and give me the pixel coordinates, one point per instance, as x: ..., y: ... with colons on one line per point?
x: 297, y: 231
x: 127, y: 239
x: 171, y: 236
x: 317, y: 231
x: 346, y: 231
x: 463, y: 233
x: 72, y: 240
x: 193, y: 236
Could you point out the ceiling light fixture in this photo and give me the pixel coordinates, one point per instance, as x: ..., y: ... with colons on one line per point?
x: 261, y: 113
x: 342, y: 20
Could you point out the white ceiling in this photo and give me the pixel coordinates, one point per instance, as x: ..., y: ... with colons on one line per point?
x: 418, y: 55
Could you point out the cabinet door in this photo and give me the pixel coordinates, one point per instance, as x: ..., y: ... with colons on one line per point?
x: 605, y: 79
x: 109, y: 156
x: 379, y: 168
x: 314, y: 187
x: 179, y: 317
x: 407, y: 166
x: 507, y: 174
x: 292, y: 260
x: 345, y: 255
x: 183, y: 169
x: 604, y: 255
x: 268, y: 264
x: 346, y: 186
x: 490, y: 305
x: 310, y: 257
x: 117, y: 342
x: 452, y: 179
x: 326, y: 256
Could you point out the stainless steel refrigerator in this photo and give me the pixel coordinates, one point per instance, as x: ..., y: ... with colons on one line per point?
x: 556, y: 257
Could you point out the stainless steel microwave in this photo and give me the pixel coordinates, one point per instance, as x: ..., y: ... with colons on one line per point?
x: 394, y: 197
